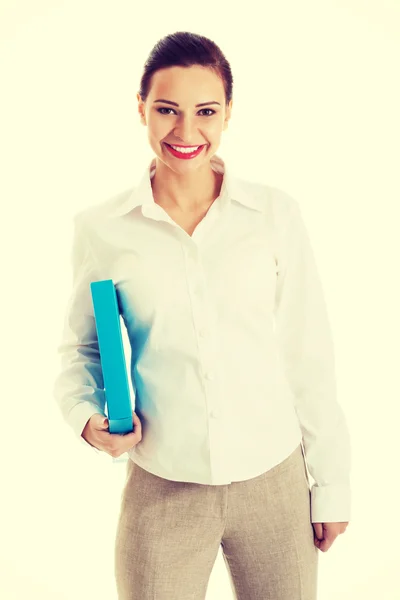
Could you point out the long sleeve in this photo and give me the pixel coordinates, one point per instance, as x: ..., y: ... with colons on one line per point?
x: 306, y: 348
x: 79, y: 388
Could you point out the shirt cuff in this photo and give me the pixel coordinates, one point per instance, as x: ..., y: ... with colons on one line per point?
x: 331, y: 503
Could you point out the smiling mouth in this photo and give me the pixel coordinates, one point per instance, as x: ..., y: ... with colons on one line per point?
x: 184, y: 154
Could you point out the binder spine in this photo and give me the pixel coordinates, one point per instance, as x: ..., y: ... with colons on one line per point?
x: 112, y: 357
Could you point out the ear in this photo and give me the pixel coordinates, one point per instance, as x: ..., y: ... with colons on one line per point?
x: 141, y: 109
x: 228, y: 114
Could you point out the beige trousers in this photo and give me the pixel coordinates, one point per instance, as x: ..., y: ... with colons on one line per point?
x: 169, y: 533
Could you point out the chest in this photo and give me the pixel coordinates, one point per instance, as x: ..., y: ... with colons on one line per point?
x: 188, y: 221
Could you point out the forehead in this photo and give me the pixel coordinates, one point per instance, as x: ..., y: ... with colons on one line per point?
x: 188, y: 82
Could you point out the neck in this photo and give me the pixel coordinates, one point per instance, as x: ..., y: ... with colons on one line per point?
x: 187, y: 193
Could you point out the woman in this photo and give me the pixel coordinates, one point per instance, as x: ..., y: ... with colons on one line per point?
x: 232, y: 357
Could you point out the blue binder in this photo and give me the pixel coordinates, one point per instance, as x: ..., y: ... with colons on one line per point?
x: 112, y: 357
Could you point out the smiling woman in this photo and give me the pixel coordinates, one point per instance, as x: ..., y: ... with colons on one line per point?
x: 232, y: 358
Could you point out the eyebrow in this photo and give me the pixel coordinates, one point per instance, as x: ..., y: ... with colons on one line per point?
x: 176, y: 104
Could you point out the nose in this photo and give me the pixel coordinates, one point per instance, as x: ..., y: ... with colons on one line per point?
x: 185, y: 131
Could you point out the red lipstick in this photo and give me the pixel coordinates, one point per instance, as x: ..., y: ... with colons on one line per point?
x: 185, y: 155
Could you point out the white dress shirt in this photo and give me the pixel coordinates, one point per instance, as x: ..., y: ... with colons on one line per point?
x: 232, y: 362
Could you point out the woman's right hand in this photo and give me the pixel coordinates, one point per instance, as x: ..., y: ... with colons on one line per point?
x: 96, y: 434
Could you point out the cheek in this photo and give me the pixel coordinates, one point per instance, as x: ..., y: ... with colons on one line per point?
x: 215, y: 127
x: 157, y: 128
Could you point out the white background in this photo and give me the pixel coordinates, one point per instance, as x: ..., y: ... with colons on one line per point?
x: 316, y: 113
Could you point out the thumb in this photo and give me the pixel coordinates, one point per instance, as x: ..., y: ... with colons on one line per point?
x: 318, y: 530
x: 100, y: 421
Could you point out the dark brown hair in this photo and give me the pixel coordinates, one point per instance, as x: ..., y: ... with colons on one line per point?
x: 186, y: 49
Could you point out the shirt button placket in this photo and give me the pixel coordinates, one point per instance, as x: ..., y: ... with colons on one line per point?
x: 206, y: 354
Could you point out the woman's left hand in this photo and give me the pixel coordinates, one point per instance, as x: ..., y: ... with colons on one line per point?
x: 326, y: 533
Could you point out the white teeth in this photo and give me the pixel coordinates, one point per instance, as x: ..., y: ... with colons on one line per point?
x: 185, y: 150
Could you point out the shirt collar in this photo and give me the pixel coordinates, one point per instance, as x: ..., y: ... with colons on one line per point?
x: 232, y: 189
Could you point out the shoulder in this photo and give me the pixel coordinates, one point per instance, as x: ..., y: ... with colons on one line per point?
x: 278, y: 204
x: 97, y: 212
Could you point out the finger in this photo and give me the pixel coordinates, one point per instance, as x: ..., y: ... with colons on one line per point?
x: 131, y: 439
x: 128, y: 437
x: 102, y: 425
x: 121, y: 445
x: 127, y: 440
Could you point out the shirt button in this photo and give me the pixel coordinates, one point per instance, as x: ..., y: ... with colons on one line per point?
x: 209, y: 375
x: 203, y: 332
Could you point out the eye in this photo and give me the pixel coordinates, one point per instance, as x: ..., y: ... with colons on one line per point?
x: 210, y: 109
x: 163, y: 108
x: 203, y: 109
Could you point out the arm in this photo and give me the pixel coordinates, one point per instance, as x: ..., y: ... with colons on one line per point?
x: 306, y: 349
x: 79, y: 388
